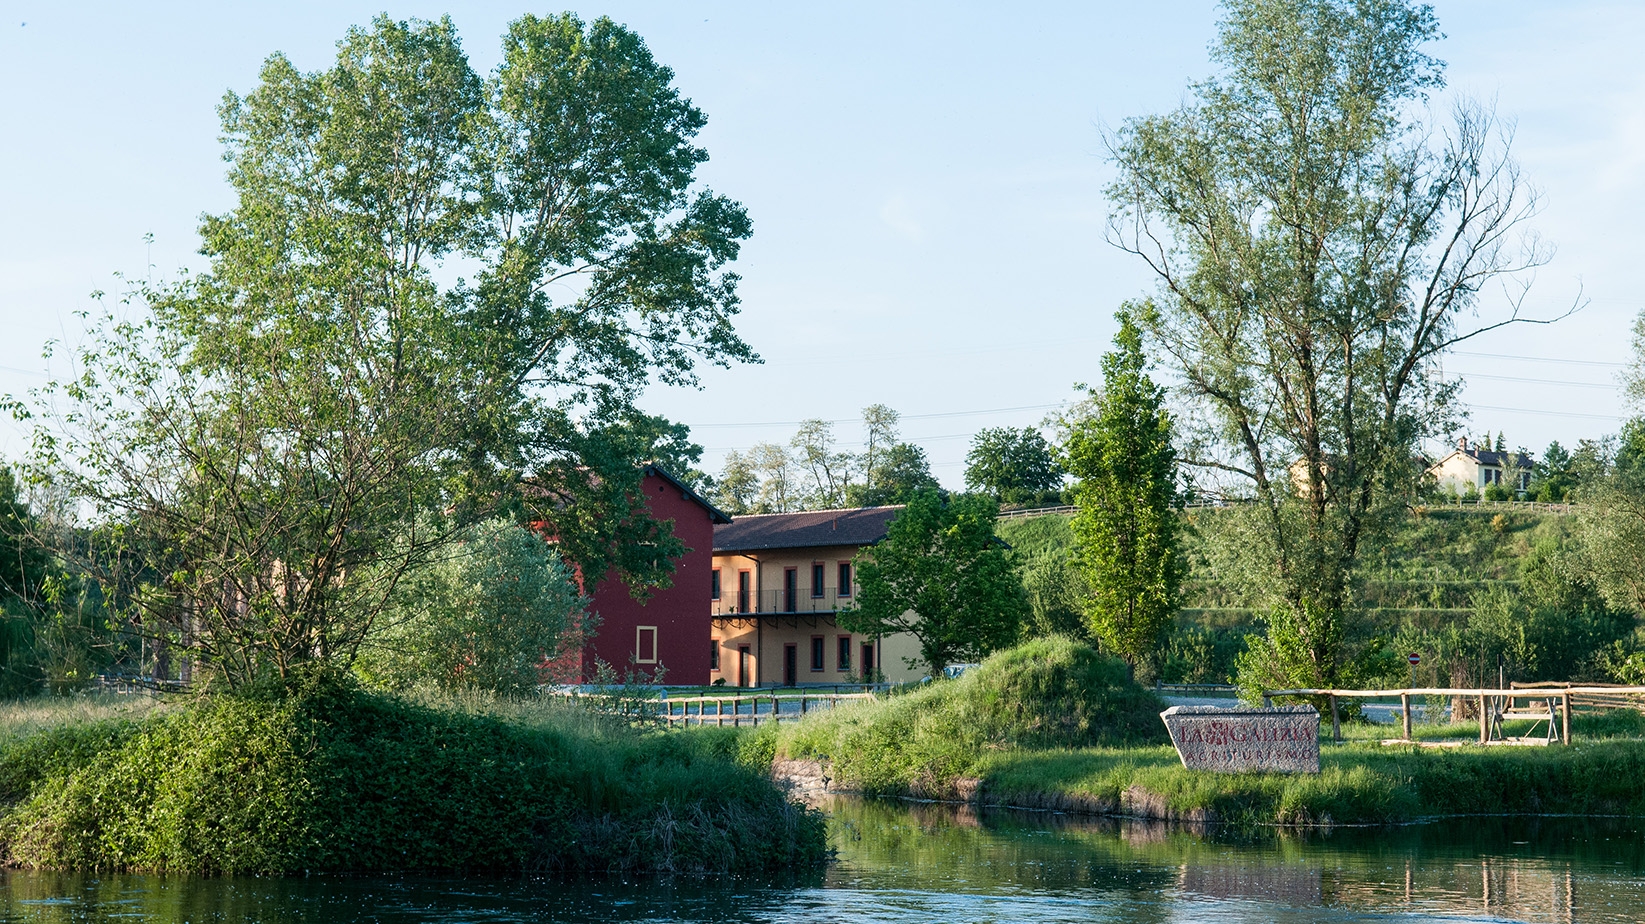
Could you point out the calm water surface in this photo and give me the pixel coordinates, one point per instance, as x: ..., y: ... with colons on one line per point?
x: 905, y: 863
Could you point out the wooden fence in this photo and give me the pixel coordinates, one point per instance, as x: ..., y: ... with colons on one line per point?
x: 1542, y: 703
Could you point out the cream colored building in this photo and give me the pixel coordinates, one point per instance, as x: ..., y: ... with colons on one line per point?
x: 1480, y: 468
x: 779, y: 581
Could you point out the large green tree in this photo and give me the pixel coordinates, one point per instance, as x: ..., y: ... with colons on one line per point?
x: 1317, y: 248
x: 436, y: 298
x: 899, y: 471
x: 1016, y: 466
x: 1125, y: 532
x: 941, y: 575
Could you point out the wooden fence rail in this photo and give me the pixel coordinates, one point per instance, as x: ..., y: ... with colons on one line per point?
x: 1537, y: 703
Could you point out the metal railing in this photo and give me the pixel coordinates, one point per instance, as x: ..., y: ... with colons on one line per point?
x: 798, y: 601
x: 1194, y: 688
x: 750, y: 710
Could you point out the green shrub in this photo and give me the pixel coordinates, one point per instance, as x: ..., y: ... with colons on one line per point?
x: 333, y: 778
x: 1046, y: 693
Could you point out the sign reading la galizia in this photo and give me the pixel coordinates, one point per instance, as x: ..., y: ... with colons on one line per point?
x: 1282, y: 739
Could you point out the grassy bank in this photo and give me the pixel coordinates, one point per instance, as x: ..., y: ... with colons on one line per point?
x: 1052, y: 725
x: 333, y: 778
x: 1043, y: 694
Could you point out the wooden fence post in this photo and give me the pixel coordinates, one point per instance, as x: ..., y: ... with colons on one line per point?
x: 1405, y: 707
x: 1484, y: 720
x: 1565, y: 716
x: 1336, y: 723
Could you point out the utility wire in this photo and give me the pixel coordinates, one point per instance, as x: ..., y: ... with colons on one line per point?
x: 841, y: 420
x: 1516, y: 378
x: 1538, y: 359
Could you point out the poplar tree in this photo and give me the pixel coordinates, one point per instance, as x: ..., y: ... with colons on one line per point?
x: 1125, y: 532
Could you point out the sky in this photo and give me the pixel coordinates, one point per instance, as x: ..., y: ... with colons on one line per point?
x: 925, y: 182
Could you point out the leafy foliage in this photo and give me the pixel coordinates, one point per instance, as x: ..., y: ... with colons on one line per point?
x: 1126, y: 529
x: 1015, y: 466
x: 1317, y: 249
x: 286, y: 438
x: 941, y: 575
x: 484, y: 618
x: 811, y: 472
x: 324, y: 777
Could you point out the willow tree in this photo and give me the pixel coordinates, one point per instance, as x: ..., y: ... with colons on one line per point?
x: 435, y: 299
x: 1319, y: 243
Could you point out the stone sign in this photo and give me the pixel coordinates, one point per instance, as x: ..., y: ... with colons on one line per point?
x: 1283, y: 738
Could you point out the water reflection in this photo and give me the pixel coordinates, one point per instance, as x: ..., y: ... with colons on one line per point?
x: 904, y: 863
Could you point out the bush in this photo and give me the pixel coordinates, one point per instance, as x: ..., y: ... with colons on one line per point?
x: 329, y: 777
x: 479, y: 619
x: 1046, y: 693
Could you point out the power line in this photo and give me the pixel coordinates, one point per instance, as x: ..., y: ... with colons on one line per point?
x: 840, y: 420
x: 1522, y: 410
x: 1538, y: 359
x: 1516, y: 378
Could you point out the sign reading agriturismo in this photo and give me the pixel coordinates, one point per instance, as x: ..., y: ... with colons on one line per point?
x: 1283, y: 739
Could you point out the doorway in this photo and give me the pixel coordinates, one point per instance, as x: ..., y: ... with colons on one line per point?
x: 791, y: 665
x: 742, y: 665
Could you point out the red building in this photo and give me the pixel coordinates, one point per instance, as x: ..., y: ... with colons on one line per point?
x: 670, y: 630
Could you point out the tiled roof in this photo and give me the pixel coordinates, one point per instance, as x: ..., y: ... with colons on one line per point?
x: 1500, y: 459
x: 809, y: 529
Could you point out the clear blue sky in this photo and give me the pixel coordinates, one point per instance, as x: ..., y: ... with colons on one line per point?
x: 925, y: 182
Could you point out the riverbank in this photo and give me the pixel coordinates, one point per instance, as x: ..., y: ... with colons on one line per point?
x: 333, y: 778
x: 982, y: 740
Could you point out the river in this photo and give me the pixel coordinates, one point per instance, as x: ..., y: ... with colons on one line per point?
x: 900, y: 862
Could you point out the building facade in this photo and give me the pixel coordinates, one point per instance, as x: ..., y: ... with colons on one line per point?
x: 1480, y: 468
x: 666, y: 632
x: 776, y: 587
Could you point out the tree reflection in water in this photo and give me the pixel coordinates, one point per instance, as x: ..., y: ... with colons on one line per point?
x: 905, y: 862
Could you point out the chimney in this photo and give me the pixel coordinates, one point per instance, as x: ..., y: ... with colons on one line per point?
x: 1462, y: 443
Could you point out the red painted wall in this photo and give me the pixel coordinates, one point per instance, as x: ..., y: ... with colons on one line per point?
x: 680, y: 612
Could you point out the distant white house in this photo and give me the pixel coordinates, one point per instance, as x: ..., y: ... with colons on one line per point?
x: 1481, y: 468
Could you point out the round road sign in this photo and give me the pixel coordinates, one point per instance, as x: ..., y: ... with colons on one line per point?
x: 1414, y: 658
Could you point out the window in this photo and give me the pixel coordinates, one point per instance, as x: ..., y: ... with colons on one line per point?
x: 845, y: 579
x: 817, y: 572
x: 816, y: 652
x: 867, y: 659
x: 714, y: 654
x: 843, y: 663
x: 742, y: 591
x: 714, y: 584
x: 645, y: 644
x: 791, y: 589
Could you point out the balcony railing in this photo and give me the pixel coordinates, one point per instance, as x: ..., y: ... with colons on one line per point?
x: 799, y: 600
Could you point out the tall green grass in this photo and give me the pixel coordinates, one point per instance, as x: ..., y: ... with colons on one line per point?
x: 330, y: 777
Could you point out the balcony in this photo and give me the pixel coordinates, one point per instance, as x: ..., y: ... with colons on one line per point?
x: 796, y: 602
